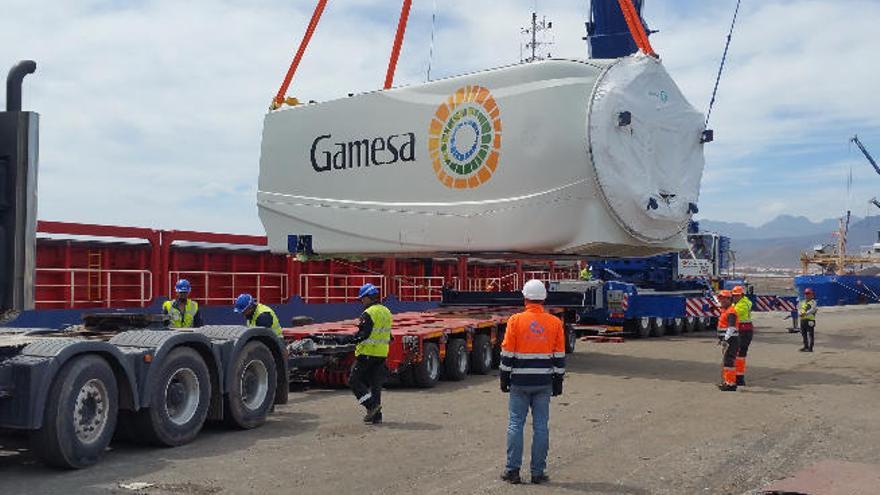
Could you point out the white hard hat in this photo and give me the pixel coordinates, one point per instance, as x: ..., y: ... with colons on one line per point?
x: 534, y: 290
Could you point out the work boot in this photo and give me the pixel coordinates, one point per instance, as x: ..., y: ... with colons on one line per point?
x: 537, y: 479
x: 372, y: 413
x: 740, y: 380
x: 377, y: 419
x: 727, y: 387
x: 511, y: 477
x: 804, y: 349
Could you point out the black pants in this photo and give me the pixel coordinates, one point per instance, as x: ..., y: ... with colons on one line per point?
x: 730, y: 353
x: 366, y: 380
x: 807, y: 332
x: 745, y: 340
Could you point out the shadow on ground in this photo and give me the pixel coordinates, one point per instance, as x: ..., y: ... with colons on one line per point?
x: 21, y: 472
x: 598, y: 487
x: 623, y: 366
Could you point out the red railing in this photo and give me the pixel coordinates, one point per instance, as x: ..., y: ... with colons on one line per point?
x: 330, y: 288
x: 73, y: 272
x: 85, y: 287
x: 422, y: 288
x: 220, y: 288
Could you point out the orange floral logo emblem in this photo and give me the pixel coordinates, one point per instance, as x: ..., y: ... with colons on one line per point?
x: 464, y: 138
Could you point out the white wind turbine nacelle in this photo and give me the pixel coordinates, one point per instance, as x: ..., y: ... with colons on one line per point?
x: 596, y: 157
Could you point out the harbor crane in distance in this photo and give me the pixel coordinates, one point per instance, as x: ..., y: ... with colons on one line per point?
x: 855, y: 139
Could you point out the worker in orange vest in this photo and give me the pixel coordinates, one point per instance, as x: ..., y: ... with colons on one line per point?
x: 532, y: 369
x: 728, y: 338
x: 743, y: 307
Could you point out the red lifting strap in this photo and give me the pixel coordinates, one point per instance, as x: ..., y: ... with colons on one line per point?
x: 398, y: 41
x: 313, y: 24
x: 636, y: 29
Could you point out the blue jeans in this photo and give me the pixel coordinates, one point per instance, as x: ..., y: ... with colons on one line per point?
x: 521, y: 399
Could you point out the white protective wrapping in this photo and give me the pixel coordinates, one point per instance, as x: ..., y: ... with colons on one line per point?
x: 656, y: 160
x: 565, y: 178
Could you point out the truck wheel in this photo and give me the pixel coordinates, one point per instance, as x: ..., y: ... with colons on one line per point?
x: 455, y: 366
x: 252, y: 387
x: 676, y: 326
x: 481, y: 355
x: 690, y: 324
x: 570, y: 339
x: 179, y: 399
x: 406, y: 377
x: 427, y: 372
x: 80, y: 415
x: 658, y: 327
x: 496, y: 350
x: 702, y: 324
x: 643, y: 328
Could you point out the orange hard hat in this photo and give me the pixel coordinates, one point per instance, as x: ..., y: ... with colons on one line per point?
x: 724, y: 293
x: 808, y: 291
x: 738, y: 290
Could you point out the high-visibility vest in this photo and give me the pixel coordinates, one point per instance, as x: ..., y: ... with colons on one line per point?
x: 260, y: 309
x: 181, y: 319
x: 723, y: 321
x: 807, y: 306
x: 533, y: 350
x: 586, y: 274
x: 744, y: 310
x: 377, y: 342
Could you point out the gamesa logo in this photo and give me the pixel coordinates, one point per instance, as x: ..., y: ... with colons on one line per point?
x: 464, y: 138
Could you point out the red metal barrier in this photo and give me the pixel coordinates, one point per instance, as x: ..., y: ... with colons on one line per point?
x: 110, y: 266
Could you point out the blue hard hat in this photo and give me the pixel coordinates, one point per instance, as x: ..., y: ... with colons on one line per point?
x: 243, y: 302
x: 368, y: 290
x: 182, y: 285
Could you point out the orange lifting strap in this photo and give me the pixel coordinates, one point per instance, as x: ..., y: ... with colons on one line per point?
x: 313, y: 24
x: 636, y: 29
x: 398, y: 41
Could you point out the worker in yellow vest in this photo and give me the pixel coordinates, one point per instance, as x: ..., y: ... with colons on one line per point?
x: 256, y: 314
x: 743, y: 307
x: 182, y: 312
x: 373, y: 339
x: 585, y: 273
x: 807, y: 313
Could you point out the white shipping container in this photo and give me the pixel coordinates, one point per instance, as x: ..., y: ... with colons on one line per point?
x: 596, y: 157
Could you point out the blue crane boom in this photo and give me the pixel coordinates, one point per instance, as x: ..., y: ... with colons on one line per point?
x: 855, y: 139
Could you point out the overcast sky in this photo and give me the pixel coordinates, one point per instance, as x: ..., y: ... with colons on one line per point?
x: 151, y: 111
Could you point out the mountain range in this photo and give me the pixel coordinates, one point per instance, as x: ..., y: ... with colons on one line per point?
x: 778, y: 243
x: 780, y: 227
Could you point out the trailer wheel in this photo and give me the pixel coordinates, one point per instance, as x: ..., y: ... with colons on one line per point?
x: 406, y: 377
x: 690, y: 324
x: 643, y: 328
x: 179, y: 399
x: 658, y: 327
x: 427, y: 372
x: 702, y: 324
x: 80, y: 415
x: 252, y: 386
x: 456, y: 365
x: 676, y: 326
x: 496, y: 350
x: 570, y: 338
x: 481, y: 355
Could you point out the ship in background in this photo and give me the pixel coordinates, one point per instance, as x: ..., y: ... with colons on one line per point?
x: 843, y: 278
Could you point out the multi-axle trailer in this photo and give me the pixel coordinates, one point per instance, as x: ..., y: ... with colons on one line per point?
x: 126, y: 374
x: 74, y: 389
